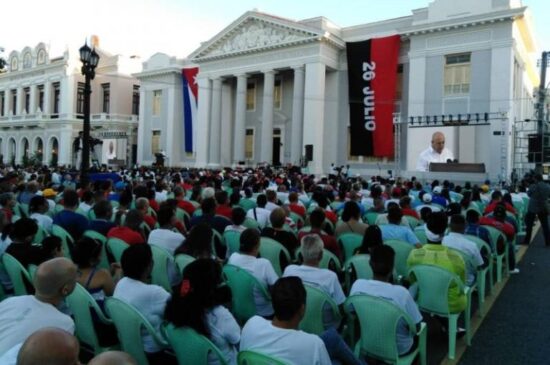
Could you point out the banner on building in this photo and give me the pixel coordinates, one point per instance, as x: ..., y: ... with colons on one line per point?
x: 190, y: 99
x: 372, y: 78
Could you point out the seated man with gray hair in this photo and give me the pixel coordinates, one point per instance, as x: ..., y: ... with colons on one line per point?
x: 323, y: 279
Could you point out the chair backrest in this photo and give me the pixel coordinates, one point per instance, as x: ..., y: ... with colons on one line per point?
x: 18, y: 274
x: 272, y: 250
x: 433, y: 287
x: 232, y: 241
x: 257, y: 358
x: 103, y: 262
x: 81, y: 303
x: 496, y: 235
x: 370, y: 217
x: 218, y: 243
x: 402, y: 250
x: 420, y: 233
x: 116, y: 247
x: 349, y: 243
x: 183, y: 216
x: 379, y: 320
x: 413, y: 222
x: 40, y: 235
x: 67, y: 242
x: 316, y: 299
x: 191, y: 347
x: 182, y: 260
x: 251, y: 223
x: 161, y: 259
x: 247, y: 204
x: 129, y: 324
x: 357, y: 267
x: 242, y: 285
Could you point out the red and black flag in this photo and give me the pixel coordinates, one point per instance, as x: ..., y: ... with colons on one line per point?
x: 372, y: 78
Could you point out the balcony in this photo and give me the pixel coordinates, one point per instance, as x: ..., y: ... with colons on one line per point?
x: 41, y: 119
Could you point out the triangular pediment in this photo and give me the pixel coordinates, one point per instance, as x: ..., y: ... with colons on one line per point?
x: 254, y: 32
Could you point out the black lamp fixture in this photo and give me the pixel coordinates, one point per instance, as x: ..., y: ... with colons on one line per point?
x: 89, y: 59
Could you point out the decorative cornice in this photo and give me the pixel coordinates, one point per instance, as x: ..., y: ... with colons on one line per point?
x: 463, y: 22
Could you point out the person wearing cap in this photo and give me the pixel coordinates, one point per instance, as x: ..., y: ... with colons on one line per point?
x: 119, y: 188
x: 426, y: 199
x: 438, y: 198
x: 435, y: 153
x: 50, y: 195
x: 435, y: 254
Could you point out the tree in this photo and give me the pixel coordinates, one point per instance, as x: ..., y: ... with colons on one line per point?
x: 3, y: 62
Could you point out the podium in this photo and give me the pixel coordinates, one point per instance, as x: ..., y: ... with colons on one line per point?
x: 159, y: 157
x: 477, y: 168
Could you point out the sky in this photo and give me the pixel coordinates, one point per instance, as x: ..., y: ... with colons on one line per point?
x: 177, y: 27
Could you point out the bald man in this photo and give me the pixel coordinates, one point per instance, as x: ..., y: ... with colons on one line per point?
x: 23, y: 315
x: 113, y: 358
x: 47, y: 346
x: 435, y: 153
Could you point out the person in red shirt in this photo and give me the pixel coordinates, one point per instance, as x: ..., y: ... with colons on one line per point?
x: 130, y: 232
x: 294, y: 205
x: 496, y: 198
x: 223, y: 208
x: 179, y: 195
x: 7, y: 201
x: 498, y: 220
x: 405, y: 203
x: 142, y: 204
x: 317, y: 219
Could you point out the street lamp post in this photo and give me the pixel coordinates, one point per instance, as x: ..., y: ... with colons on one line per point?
x: 89, y: 59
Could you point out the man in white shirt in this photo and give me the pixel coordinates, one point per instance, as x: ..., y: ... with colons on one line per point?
x: 435, y: 153
x: 323, y: 279
x: 381, y: 261
x: 164, y: 236
x: 280, y: 337
x: 150, y: 300
x: 260, y: 268
x: 260, y: 214
x: 23, y: 315
x: 456, y: 240
x: 45, y: 346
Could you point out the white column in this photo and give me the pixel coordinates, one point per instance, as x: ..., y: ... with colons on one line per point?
x: 65, y: 144
x: 417, y: 141
x: 240, y: 119
x: 170, y: 125
x: 266, y: 151
x: 19, y: 104
x: 203, y: 116
x: 227, y: 128
x: 7, y: 103
x: 33, y: 104
x: 296, y: 150
x: 141, y: 122
x: 216, y: 123
x: 314, y: 113
x: 47, y: 98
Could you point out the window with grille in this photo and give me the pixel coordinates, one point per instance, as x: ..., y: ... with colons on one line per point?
x: 457, y: 74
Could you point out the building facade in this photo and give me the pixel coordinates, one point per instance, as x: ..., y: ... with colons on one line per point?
x: 270, y: 86
x: 41, y: 106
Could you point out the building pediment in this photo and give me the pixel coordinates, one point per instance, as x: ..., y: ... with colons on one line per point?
x: 256, y: 32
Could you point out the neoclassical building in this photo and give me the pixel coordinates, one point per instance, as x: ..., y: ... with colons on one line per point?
x: 269, y: 86
x: 41, y: 106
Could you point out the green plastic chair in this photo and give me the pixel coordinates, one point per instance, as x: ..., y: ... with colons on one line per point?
x: 162, y: 260
x: 182, y: 260
x: 316, y: 299
x: 183, y: 216
x: 67, y: 242
x: 216, y: 236
x: 18, y: 275
x: 103, y: 262
x: 433, y: 287
x: 256, y: 358
x: 247, y: 204
x: 232, y: 241
x: 370, y: 217
x: 40, y: 235
x: 191, y: 347
x: 91, y: 214
x: 420, y: 233
x: 81, y: 303
x: 251, y: 223
x: 129, y: 324
x: 357, y: 267
x: 272, y: 250
x: 329, y: 260
x: 349, y: 242
x: 116, y: 247
x: 379, y: 320
x: 242, y: 285
x: 297, y: 219
x: 481, y: 276
x: 413, y: 222
x: 22, y: 209
x: 197, y: 212
x: 501, y: 259
x: 402, y: 250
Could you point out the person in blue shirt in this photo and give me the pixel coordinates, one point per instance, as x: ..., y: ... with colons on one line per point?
x: 473, y: 227
x: 72, y: 222
x: 395, y: 231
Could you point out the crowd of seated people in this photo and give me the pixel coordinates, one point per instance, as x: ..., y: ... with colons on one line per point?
x: 185, y: 212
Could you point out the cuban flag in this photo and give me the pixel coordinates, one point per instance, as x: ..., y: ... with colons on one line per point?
x: 190, y: 98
